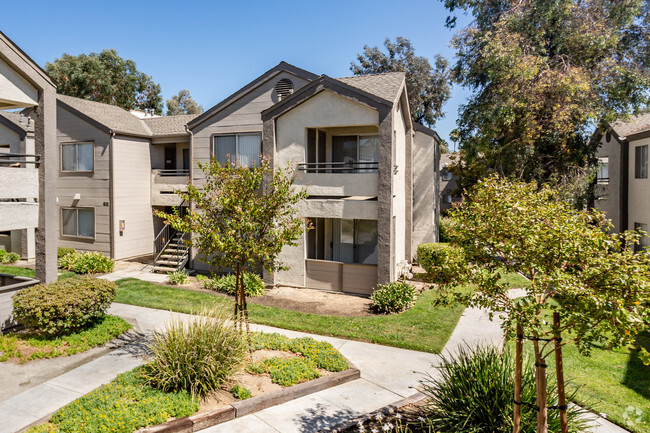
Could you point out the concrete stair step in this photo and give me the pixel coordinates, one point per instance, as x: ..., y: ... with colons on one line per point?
x: 164, y: 269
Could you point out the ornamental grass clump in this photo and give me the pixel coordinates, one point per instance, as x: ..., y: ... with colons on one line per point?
x: 474, y: 390
x: 64, y: 306
x: 178, y: 278
x: 197, y: 355
x: 393, y: 297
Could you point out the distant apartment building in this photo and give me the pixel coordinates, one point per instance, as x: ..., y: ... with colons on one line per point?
x: 448, y: 185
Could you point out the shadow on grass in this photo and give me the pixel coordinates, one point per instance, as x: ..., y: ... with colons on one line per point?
x: 637, y: 375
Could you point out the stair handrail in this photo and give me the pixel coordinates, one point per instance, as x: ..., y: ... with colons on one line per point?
x: 161, y: 241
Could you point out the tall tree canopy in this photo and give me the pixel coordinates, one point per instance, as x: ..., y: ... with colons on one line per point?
x: 544, y: 73
x: 106, y: 77
x: 428, y: 86
x: 183, y: 104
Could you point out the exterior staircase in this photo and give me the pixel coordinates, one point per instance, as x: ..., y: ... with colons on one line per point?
x: 171, y: 252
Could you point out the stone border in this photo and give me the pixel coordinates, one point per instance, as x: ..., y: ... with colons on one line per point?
x: 241, y: 408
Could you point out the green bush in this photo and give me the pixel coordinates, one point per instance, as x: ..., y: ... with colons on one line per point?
x: 178, y: 277
x: 445, y: 228
x: 64, y: 251
x: 393, y: 297
x: 86, y: 262
x: 63, y: 306
x: 253, y: 284
x: 124, y: 405
x: 197, y: 355
x: 286, y: 372
x: 8, y: 258
x: 474, y: 390
x: 440, y: 261
x: 321, y: 353
x: 200, y: 278
x: 240, y: 392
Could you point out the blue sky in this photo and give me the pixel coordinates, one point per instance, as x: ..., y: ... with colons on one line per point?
x: 213, y: 48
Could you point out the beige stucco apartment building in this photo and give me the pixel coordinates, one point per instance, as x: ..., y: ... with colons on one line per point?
x: 623, y: 183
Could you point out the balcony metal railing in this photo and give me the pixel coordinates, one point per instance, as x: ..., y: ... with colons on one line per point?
x: 11, y: 159
x: 168, y: 172
x: 339, y: 167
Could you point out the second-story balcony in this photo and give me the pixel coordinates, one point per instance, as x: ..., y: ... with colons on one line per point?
x: 18, y: 191
x: 341, y: 179
x: 163, y: 184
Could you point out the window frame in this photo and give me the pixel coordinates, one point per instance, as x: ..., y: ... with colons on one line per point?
x: 358, y: 149
x: 77, y: 209
x: 213, y: 142
x: 76, y: 144
x: 603, y: 161
x: 354, y: 235
x: 641, y: 162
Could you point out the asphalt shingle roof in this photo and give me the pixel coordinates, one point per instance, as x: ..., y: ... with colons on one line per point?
x: 169, y: 125
x: 385, y: 86
x: 14, y: 117
x: 115, y: 118
x: 636, y: 124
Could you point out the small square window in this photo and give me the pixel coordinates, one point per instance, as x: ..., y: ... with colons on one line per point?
x: 77, y: 157
x: 78, y: 222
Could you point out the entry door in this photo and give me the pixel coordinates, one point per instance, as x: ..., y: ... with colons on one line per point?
x: 170, y: 157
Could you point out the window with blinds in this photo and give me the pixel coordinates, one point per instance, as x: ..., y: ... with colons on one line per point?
x: 243, y: 149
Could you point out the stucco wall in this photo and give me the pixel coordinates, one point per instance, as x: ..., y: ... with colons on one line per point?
x: 610, y: 195
x: 93, y: 188
x: 132, y: 197
x: 639, y: 191
x: 13, y: 87
x: 10, y: 137
x: 424, y: 189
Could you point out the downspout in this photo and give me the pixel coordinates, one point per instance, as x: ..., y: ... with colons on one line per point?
x: 190, y: 204
x: 111, y: 206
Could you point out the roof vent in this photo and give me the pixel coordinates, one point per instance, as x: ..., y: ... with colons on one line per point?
x: 283, y: 88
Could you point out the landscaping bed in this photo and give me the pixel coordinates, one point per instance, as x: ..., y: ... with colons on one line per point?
x: 280, y: 369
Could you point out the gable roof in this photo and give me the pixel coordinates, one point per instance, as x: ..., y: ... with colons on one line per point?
x: 169, y: 125
x: 636, y: 124
x: 107, y: 117
x: 385, y: 86
x: 282, y: 66
x: 12, y: 121
x: 428, y: 131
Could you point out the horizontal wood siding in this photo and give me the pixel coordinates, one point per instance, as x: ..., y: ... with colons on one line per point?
x: 132, y: 197
x: 92, y: 187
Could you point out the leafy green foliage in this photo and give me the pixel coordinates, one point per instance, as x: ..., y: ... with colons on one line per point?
x: 321, y: 353
x: 286, y: 372
x: 440, y: 261
x: 393, y: 297
x: 124, y: 405
x: 8, y: 258
x: 183, y: 104
x: 63, y: 306
x: 86, y: 262
x: 34, y: 345
x: 240, y: 392
x: 253, y: 284
x: 428, y: 87
x: 105, y: 77
x: 474, y: 394
x: 178, y: 277
x: 543, y: 74
x: 198, y: 355
x: 64, y: 251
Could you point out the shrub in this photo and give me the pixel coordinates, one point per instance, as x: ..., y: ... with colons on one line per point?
x: 201, y: 278
x: 8, y: 258
x: 323, y: 354
x: 286, y: 372
x: 445, y: 229
x: 253, y: 284
x: 86, y: 262
x: 178, y: 277
x: 63, y: 306
x: 64, y: 251
x: 440, y: 261
x: 393, y: 297
x: 474, y: 393
x: 198, y: 355
x: 240, y: 392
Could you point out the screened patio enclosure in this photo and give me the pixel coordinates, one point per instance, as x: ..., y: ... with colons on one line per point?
x: 342, y: 255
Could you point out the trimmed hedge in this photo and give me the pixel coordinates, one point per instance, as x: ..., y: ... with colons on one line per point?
x: 64, y: 306
x: 440, y: 261
x: 393, y: 297
x: 86, y: 262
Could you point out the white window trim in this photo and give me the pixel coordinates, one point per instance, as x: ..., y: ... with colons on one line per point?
x: 63, y: 235
x: 75, y: 143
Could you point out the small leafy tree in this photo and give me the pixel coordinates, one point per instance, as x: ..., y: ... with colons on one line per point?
x: 242, y: 217
x: 592, y: 283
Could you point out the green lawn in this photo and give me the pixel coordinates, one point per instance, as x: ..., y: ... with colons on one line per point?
x: 425, y: 327
x: 24, y: 272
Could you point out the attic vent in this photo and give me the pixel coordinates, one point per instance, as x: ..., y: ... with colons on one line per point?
x: 399, y: 105
x: 283, y: 88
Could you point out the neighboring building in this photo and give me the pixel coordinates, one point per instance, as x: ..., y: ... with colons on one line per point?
x: 353, y: 144
x: 623, y: 185
x: 448, y: 185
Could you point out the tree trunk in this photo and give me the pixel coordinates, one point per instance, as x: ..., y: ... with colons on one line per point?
x: 236, y: 315
x: 243, y: 308
x: 516, y: 419
x: 540, y: 381
x: 559, y: 373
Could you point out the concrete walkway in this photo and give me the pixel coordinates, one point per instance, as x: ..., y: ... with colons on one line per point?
x: 388, y: 375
